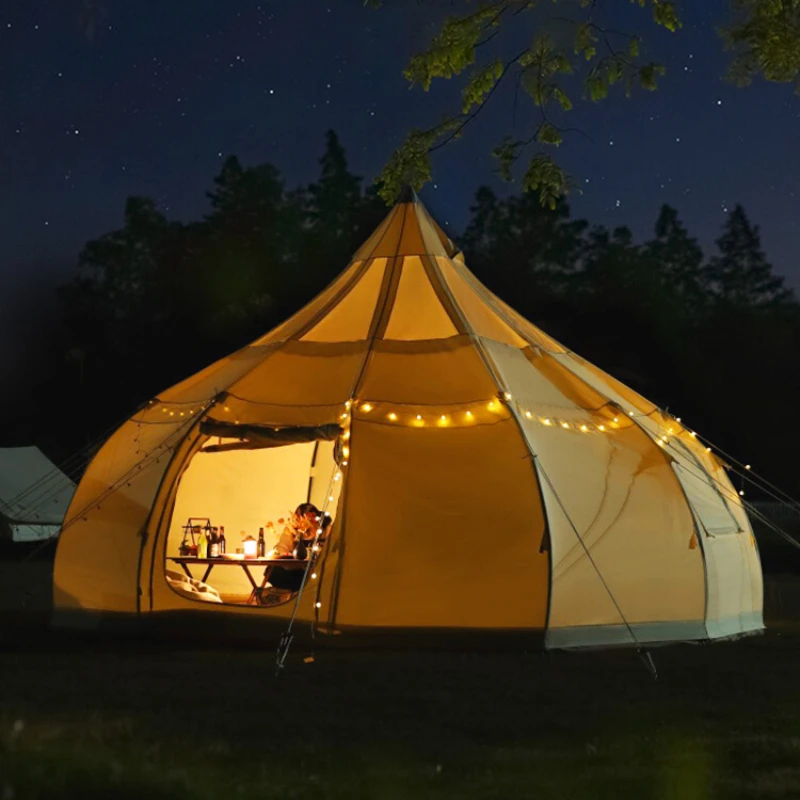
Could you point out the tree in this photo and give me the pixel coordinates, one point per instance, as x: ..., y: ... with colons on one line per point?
x: 677, y: 261
x: 523, y: 251
x: 740, y: 275
x: 565, y: 43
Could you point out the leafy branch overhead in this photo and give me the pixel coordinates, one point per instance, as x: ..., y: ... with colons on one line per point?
x: 570, y: 59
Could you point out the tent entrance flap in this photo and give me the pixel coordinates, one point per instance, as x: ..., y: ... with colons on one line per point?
x: 256, y: 437
x: 251, y: 494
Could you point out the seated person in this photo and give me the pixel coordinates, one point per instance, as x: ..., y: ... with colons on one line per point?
x: 302, y: 525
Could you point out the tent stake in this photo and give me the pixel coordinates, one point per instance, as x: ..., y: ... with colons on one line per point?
x: 647, y: 659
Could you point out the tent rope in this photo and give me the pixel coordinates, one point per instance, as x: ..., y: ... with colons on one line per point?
x: 643, y: 654
x: 285, y: 642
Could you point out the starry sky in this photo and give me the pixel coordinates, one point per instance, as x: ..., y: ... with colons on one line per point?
x: 161, y: 93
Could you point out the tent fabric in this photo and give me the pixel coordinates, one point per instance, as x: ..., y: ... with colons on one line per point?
x: 34, y: 493
x: 481, y: 476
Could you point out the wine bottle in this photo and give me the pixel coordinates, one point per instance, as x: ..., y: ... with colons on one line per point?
x: 261, y: 548
x: 213, y: 544
x: 222, y: 543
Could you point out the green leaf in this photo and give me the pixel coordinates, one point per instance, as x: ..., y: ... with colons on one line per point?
x: 633, y: 47
x: 546, y: 177
x: 562, y: 98
x: 480, y: 85
x: 585, y: 40
x: 549, y: 134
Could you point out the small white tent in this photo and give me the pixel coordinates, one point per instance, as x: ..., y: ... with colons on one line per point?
x: 34, y: 494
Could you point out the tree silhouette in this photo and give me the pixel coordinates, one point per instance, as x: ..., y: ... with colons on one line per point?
x: 741, y: 275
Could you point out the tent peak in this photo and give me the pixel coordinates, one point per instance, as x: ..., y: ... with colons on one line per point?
x: 407, y: 195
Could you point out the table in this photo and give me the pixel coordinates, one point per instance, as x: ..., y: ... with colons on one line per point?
x: 244, y: 563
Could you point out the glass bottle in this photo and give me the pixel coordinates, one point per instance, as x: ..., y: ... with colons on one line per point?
x: 213, y: 544
x: 202, y: 545
x: 261, y: 549
x: 222, y: 542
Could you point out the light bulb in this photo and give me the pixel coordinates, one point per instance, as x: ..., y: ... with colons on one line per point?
x: 507, y: 395
x: 468, y: 415
x: 630, y: 413
x: 741, y: 493
x: 584, y: 428
x: 616, y: 419
x: 693, y: 434
x: 601, y: 427
x: 345, y: 451
x: 419, y: 416
x: 393, y: 416
x: 678, y: 419
x: 172, y: 413
x: 546, y: 422
x: 443, y: 417
x: 343, y: 416
x: 565, y: 425
x: 346, y: 435
x: 313, y: 576
x: 747, y: 466
x: 348, y: 403
x: 708, y: 449
x: 318, y: 605
x: 366, y: 408
x: 227, y: 408
x: 344, y: 463
x: 330, y: 499
x: 664, y: 439
x: 528, y: 415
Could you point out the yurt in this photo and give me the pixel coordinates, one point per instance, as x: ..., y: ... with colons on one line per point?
x: 480, y: 477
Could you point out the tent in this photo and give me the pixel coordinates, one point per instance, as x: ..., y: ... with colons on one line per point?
x: 482, y: 477
x: 34, y: 494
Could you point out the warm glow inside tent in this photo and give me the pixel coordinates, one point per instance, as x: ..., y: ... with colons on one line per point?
x: 34, y: 494
x: 481, y: 477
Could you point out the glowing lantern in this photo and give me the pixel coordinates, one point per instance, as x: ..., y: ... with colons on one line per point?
x: 249, y: 545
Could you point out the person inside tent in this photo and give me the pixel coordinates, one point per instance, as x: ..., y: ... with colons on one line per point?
x: 302, y: 527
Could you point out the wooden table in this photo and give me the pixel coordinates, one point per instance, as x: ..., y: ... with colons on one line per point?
x: 244, y: 563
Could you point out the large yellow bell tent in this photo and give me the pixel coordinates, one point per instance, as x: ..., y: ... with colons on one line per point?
x: 482, y: 477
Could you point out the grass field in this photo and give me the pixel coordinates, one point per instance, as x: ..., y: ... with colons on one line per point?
x: 130, y: 719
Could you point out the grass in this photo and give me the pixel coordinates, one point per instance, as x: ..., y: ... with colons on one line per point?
x: 105, y: 719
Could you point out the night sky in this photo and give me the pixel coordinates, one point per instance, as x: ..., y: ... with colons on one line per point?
x: 164, y: 91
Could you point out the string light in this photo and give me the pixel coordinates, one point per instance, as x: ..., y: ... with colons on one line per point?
x: 616, y: 419
x: 584, y: 428
x: 392, y: 416
x: 366, y: 408
x: 708, y: 449
x: 741, y: 492
x: 601, y: 427
x: 678, y: 419
x: 630, y: 413
x: 348, y: 403
x: 747, y: 466
x: 469, y: 416
x: 693, y: 434
x: 546, y: 422
x: 313, y: 576
x: 346, y: 451
x: 528, y: 415
x: 226, y: 408
x: 565, y: 424
x: 318, y: 605
x: 507, y: 395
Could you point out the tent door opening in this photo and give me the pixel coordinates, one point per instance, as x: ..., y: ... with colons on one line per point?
x: 250, y: 495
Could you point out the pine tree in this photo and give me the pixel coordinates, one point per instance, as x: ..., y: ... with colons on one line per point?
x: 740, y: 275
x: 335, y: 198
x: 677, y: 261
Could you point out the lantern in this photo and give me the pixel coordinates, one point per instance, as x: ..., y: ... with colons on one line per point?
x: 249, y: 544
